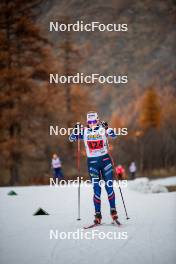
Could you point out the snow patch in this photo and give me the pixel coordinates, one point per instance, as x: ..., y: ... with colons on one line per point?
x: 144, y: 185
x: 166, y: 181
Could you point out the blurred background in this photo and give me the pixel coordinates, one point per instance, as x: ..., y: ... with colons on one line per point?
x: 29, y: 104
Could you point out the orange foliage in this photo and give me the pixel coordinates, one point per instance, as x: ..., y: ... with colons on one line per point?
x: 150, y: 116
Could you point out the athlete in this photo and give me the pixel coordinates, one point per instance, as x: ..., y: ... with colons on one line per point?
x: 99, y: 162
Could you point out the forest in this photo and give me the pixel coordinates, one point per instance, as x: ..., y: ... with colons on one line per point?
x: 29, y: 104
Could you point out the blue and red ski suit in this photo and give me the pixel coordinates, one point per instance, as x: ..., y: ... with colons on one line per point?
x: 99, y: 162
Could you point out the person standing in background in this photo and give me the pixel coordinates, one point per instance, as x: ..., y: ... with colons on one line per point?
x: 120, y: 172
x: 57, y: 167
x: 132, y: 170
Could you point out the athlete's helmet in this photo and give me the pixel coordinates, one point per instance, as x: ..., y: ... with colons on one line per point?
x: 92, y: 117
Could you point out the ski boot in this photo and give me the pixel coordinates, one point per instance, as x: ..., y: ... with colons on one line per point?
x: 115, y: 217
x: 114, y: 214
x: 98, y: 218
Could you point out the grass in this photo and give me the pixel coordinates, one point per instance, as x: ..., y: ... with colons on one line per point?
x: 171, y: 188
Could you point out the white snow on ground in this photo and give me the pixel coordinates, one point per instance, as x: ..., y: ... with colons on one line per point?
x: 25, y: 238
x: 144, y: 185
x: 166, y: 181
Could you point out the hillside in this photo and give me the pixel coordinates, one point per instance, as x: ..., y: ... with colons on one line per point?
x: 145, y: 52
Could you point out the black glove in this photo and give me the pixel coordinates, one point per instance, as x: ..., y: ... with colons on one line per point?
x: 77, y: 128
x: 78, y: 125
x: 104, y: 124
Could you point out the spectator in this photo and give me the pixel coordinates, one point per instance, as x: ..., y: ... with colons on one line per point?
x: 57, y: 167
x: 120, y: 172
x: 132, y: 170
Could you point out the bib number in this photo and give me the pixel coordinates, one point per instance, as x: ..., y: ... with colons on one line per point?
x: 95, y: 144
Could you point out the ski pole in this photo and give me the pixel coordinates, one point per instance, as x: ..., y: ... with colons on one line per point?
x: 127, y: 217
x: 113, y: 164
x: 78, y: 169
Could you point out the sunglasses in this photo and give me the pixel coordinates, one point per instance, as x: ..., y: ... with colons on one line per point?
x: 92, y: 122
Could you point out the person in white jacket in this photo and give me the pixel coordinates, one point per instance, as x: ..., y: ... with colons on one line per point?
x: 57, y: 167
x: 132, y: 170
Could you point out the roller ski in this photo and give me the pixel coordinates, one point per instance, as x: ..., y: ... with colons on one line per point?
x: 97, y: 221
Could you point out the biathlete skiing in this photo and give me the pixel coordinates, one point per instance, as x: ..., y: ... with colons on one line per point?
x: 98, y: 160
